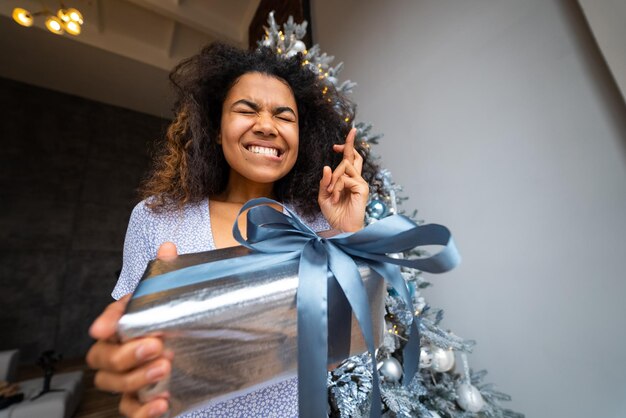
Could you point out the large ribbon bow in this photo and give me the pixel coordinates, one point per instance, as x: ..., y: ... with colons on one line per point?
x: 278, y: 237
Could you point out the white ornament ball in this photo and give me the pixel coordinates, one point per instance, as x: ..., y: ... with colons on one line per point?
x: 298, y: 46
x: 291, y: 53
x: 390, y: 369
x: 426, y: 357
x: 443, y: 360
x: 469, y: 398
x: 433, y: 414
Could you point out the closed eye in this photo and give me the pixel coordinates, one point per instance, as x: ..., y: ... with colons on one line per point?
x: 286, y: 117
x: 285, y: 113
x: 245, y: 107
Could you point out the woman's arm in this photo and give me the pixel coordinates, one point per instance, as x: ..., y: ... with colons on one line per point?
x: 138, y: 249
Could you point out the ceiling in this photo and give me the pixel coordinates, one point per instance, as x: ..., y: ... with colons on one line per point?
x: 606, y: 20
x: 126, y: 48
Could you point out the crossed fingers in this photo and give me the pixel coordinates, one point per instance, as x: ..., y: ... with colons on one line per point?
x: 347, y: 175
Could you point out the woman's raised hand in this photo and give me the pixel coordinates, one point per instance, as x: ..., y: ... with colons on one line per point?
x: 343, y: 193
x: 130, y: 366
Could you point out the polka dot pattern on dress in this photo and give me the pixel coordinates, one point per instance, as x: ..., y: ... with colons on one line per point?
x: 276, y: 401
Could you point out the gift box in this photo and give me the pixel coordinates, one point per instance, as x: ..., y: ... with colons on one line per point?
x: 238, y: 333
x: 238, y: 320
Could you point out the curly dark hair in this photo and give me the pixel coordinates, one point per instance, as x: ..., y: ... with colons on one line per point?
x: 190, y: 164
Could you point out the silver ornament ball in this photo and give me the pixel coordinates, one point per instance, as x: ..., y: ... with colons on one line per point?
x: 390, y: 369
x: 426, y: 358
x: 443, y: 360
x: 469, y: 398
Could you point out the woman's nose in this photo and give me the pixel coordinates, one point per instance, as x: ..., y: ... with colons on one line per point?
x: 265, y: 125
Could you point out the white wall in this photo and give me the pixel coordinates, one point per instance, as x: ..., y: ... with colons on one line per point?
x: 502, y: 122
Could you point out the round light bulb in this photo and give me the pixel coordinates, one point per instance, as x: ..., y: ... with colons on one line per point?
x: 63, y: 15
x: 22, y: 17
x: 71, y: 27
x: 75, y: 15
x: 54, y: 25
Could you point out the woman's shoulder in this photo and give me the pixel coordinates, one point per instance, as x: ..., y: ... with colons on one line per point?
x: 153, y: 218
x: 182, y: 225
x: 151, y: 208
x: 145, y: 213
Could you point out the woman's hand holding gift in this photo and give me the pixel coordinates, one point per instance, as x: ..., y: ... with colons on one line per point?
x: 133, y: 365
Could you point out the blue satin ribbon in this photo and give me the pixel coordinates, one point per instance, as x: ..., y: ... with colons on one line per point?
x: 277, y: 237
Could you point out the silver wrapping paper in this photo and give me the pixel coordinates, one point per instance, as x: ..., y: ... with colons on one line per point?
x: 232, y: 335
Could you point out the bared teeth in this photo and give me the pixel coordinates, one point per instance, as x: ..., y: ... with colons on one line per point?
x: 263, y: 150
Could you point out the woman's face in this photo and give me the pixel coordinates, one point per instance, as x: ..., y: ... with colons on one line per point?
x: 259, y: 133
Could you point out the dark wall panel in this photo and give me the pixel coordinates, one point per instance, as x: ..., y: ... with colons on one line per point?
x: 69, y: 170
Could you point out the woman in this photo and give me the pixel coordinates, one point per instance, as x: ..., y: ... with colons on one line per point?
x: 248, y: 124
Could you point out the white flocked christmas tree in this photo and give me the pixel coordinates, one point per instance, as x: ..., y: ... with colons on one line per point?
x: 444, y: 386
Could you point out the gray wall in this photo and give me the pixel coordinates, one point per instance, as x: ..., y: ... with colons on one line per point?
x: 69, y: 168
x: 502, y: 121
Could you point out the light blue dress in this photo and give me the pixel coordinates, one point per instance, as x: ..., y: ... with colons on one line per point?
x: 190, y: 229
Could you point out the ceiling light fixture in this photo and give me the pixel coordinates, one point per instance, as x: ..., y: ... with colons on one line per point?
x: 72, y: 28
x: 75, y: 15
x: 63, y: 15
x: 54, y: 25
x: 66, y: 20
x: 22, y: 17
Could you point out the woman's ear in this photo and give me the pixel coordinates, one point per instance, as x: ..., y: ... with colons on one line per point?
x: 219, y: 139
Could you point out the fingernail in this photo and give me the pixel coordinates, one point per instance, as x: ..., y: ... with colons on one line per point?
x: 155, y: 373
x: 158, y: 409
x: 146, y: 351
x: 93, y: 330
